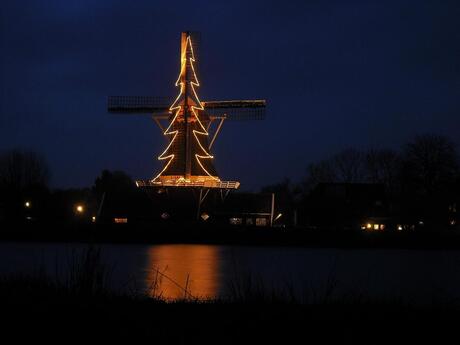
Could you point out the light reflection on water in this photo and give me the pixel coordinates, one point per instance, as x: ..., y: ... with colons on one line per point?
x: 178, y: 271
x: 419, y: 276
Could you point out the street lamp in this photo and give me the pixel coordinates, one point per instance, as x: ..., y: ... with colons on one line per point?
x: 27, y: 204
x: 79, y: 208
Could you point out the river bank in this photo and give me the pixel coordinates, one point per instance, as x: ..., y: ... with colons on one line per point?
x: 230, y: 235
x: 39, y: 309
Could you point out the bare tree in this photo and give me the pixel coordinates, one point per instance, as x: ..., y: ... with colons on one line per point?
x: 349, y: 166
x: 383, y: 166
x: 321, y: 172
x: 430, y: 164
x: 20, y: 170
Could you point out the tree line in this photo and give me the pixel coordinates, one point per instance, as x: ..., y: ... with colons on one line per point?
x: 421, y: 178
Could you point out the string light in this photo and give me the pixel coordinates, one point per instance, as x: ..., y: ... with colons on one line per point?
x: 177, y: 106
x: 194, y: 108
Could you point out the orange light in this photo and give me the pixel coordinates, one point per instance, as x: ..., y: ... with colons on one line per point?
x: 79, y: 208
x: 194, y: 108
x: 178, y: 107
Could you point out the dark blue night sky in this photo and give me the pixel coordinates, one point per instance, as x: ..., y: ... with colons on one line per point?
x: 336, y: 74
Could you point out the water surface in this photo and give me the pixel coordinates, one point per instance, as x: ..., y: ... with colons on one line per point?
x: 207, y: 271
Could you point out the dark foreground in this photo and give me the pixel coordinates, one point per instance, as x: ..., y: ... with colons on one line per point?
x: 80, y: 307
x: 43, y: 316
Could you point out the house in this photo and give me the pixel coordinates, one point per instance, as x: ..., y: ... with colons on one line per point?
x: 348, y: 205
x: 246, y: 209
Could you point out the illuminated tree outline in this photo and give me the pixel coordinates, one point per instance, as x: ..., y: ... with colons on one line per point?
x: 178, y: 108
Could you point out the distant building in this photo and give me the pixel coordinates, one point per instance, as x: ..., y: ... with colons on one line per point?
x: 180, y: 205
x: 248, y: 209
x: 349, y: 205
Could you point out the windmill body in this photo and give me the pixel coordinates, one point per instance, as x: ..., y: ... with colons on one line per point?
x: 190, y: 126
x: 187, y: 157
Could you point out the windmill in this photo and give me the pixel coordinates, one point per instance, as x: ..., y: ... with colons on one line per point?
x: 191, y: 127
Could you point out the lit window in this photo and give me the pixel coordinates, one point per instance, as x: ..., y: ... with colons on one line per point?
x: 261, y: 221
x: 376, y: 226
x: 236, y: 221
x: 120, y: 220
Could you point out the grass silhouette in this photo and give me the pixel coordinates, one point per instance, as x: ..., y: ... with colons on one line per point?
x: 80, y: 305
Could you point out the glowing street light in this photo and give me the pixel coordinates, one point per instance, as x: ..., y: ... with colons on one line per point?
x: 27, y: 204
x: 79, y: 208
